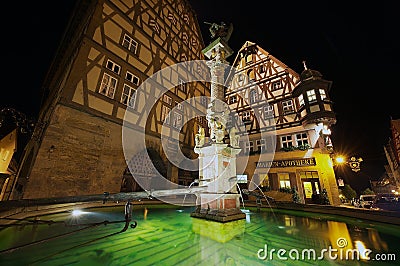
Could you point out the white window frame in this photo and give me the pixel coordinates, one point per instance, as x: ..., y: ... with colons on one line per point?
x: 108, y: 86
x: 284, y: 180
x: 165, y: 111
x: 128, y: 96
x: 268, y: 111
x: 182, y: 85
x: 311, y: 96
x: 167, y: 99
x: 246, y: 116
x: 287, y: 106
x: 203, y: 100
x: 249, y: 146
x: 322, y: 94
x: 129, y: 43
x: 129, y: 76
x: 185, y: 37
x: 177, y: 123
x: 232, y: 99
x: 179, y: 106
x: 253, y: 95
x: 276, y: 85
x: 114, y: 67
x: 301, y: 100
x: 301, y: 139
x: 286, y: 141
x: 261, y: 145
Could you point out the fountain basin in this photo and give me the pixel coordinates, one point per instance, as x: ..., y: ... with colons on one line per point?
x: 168, y: 235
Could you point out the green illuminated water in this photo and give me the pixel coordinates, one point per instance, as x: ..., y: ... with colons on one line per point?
x: 167, y: 235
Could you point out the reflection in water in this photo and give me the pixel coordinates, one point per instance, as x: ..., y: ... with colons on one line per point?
x: 339, y: 235
x: 220, y: 232
x: 377, y: 243
x: 168, y: 237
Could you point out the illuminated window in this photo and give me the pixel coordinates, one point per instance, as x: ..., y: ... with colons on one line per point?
x: 130, y: 44
x: 301, y: 139
x: 286, y: 141
x: 287, y: 106
x: 128, y: 96
x: 108, y: 86
x: 268, y: 111
x: 249, y: 59
x: 309, y: 174
x: 322, y: 94
x: 311, y: 96
x: 113, y: 66
x: 165, y: 114
x: 284, y: 180
x: 132, y: 78
x: 301, y: 100
x: 240, y: 78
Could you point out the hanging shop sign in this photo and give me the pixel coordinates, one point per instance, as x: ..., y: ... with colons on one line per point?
x: 287, y: 163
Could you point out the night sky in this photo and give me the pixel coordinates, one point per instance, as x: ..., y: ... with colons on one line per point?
x: 351, y: 45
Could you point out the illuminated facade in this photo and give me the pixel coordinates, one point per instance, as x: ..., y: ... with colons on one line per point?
x: 8, y: 146
x: 109, y: 48
x: 392, y: 152
x: 300, y: 113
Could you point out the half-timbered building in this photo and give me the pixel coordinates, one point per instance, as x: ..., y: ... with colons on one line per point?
x: 109, y: 49
x: 266, y: 96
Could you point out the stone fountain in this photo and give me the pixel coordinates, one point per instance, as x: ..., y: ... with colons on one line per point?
x: 217, y: 160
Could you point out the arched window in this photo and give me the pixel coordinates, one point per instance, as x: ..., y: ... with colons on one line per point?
x: 253, y: 96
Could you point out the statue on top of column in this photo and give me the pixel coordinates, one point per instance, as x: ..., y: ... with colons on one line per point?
x: 220, y: 30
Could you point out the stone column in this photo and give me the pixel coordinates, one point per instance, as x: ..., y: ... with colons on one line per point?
x: 217, y: 161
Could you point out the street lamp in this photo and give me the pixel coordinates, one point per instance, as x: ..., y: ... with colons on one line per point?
x: 353, y: 162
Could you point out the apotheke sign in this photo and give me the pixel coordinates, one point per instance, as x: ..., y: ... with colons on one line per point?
x: 287, y: 163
